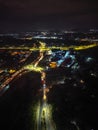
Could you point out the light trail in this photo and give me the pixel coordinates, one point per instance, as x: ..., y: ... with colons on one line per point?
x: 30, y: 67
x: 44, y: 48
x: 43, y: 114
x: 44, y: 119
x: 4, y: 86
x: 33, y: 68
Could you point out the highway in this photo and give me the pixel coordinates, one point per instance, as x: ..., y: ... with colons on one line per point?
x: 30, y: 67
x: 45, y: 48
x: 44, y: 117
x: 20, y: 72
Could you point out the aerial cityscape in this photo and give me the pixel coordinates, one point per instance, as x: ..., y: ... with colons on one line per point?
x: 48, y: 65
x: 48, y: 80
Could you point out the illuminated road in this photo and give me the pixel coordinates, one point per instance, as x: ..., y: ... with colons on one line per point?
x: 20, y: 72
x: 47, y: 114
x: 44, y: 48
x: 44, y: 117
x: 30, y: 67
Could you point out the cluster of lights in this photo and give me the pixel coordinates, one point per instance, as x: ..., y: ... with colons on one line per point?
x: 31, y: 67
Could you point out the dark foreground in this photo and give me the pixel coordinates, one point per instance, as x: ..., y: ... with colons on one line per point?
x: 16, y: 105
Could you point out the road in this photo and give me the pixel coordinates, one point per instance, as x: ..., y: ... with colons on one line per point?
x: 33, y: 66
x: 80, y: 47
x: 44, y: 117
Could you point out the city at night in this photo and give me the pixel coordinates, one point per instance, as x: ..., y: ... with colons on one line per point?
x: 48, y: 65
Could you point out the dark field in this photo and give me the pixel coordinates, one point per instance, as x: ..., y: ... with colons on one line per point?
x: 16, y: 104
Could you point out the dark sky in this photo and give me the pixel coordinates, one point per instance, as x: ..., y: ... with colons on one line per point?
x: 27, y: 15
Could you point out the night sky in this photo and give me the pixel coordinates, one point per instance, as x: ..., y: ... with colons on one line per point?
x: 29, y: 15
